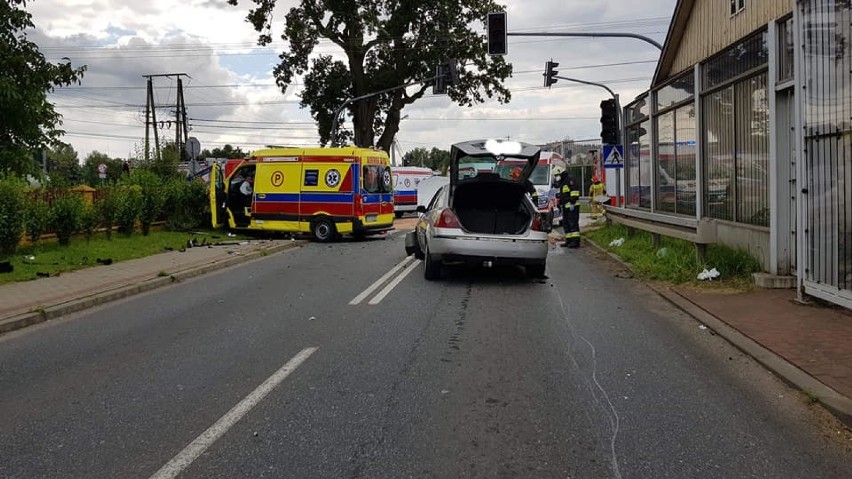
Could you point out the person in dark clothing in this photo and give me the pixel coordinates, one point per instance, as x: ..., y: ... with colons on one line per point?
x: 569, y: 196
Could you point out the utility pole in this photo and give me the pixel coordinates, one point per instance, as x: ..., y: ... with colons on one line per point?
x: 151, y: 116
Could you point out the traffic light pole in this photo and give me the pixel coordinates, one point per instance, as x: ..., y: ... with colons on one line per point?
x: 620, y: 126
x: 594, y: 35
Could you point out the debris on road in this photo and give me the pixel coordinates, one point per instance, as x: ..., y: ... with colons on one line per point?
x: 617, y: 242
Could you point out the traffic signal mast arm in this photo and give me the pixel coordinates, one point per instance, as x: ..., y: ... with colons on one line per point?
x: 447, y: 74
x: 595, y: 35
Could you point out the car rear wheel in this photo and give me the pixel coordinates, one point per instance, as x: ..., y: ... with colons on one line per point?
x: 536, y: 270
x: 323, y: 230
x: 431, y: 267
x: 418, y: 251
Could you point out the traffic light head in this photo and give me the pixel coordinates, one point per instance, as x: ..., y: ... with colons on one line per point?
x: 497, y: 41
x: 610, y: 133
x: 446, y: 75
x: 550, y: 73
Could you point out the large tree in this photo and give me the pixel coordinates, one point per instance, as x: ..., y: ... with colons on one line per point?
x: 63, y: 166
x: 435, y: 158
x: 387, y: 43
x: 28, y: 122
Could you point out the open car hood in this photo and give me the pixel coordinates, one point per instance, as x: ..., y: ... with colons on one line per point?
x: 492, y: 150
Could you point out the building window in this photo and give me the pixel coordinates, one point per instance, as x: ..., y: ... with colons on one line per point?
x: 638, y: 154
x: 736, y: 152
x: 747, y: 55
x: 737, y: 6
x: 681, y: 89
x: 785, y: 50
x: 676, y: 185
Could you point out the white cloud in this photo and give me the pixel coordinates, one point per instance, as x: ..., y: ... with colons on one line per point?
x: 211, y: 41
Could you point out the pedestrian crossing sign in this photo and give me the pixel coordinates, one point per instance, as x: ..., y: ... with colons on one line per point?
x: 613, y: 156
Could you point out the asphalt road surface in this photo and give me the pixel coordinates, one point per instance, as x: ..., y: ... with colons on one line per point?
x: 342, y: 361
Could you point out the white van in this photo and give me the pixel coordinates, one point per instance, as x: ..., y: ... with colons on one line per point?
x: 406, y: 180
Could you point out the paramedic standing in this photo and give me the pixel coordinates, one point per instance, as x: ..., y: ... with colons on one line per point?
x: 246, y: 185
x: 569, y: 196
x: 595, y: 190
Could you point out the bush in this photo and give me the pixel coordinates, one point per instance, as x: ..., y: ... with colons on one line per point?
x: 66, y: 214
x: 37, y: 219
x: 127, y: 207
x: 187, y: 204
x: 89, y: 221
x: 107, y: 209
x: 153, y: 197
x: 11, y: 215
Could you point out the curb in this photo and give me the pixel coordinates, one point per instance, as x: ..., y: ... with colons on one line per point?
x: 52, y: 312
x: 836, y: 403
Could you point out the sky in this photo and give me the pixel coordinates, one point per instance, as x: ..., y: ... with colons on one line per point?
x: 231, y: 96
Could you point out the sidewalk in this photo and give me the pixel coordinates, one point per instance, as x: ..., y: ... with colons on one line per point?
x: 30, y: 302
x: 807, y: 345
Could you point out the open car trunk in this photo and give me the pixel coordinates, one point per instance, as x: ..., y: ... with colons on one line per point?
x: 489, y: 205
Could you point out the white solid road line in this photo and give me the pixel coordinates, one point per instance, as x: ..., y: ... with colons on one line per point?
x: 376, y: 299
x: 197, y: 447
x: 380, y: 281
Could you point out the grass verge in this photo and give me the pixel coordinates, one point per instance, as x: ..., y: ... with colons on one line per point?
x: 50, y: 259
x: 674, y: 260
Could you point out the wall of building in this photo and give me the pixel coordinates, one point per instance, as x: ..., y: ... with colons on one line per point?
x: 753, y: 239
x: 711, y: 28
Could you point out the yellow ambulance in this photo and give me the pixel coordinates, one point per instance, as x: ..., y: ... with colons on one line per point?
x: 326, y: 192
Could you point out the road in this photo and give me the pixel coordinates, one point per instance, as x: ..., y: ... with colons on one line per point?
x: 269, y: 370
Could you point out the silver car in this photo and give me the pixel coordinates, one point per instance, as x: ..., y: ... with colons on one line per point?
x: 485, y: 214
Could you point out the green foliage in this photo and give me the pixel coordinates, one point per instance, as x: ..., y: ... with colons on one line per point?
x: 11, y: 215
x: 678, y: 263
x: 115, y: 168
x: 89, y: 221
x: 187, y: 204
x: 153, y: 197
x: 36, y: 219
x: 164, y: 165
x: 28, y: 121
x: 63, y: 166
x: 107, y: 208
x: 436, y: 159
x: 66, y: 214
x: 387, y: 43
x: 128, y: 207
x: 227, y: 151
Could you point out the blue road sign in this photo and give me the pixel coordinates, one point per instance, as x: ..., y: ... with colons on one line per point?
x: 613, y: 156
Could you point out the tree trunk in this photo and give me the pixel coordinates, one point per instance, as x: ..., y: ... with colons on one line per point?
x: 362, y: 111
x: 391, y: 122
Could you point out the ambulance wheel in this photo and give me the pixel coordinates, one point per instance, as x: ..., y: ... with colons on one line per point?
x: 398, y: 214
x: 323, y: 230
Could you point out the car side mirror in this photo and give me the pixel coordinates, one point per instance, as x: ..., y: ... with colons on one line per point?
x: 421, y: 209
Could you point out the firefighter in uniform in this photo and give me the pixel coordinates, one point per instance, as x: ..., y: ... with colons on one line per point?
x: 595, y: 190
x: 569, y: 197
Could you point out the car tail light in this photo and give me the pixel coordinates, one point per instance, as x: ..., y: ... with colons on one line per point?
x: 447, y: 219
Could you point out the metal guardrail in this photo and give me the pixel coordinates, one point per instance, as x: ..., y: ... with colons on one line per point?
x: 700, y: 232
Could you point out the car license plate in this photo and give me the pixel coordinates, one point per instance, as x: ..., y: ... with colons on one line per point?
x: 371, y: 218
